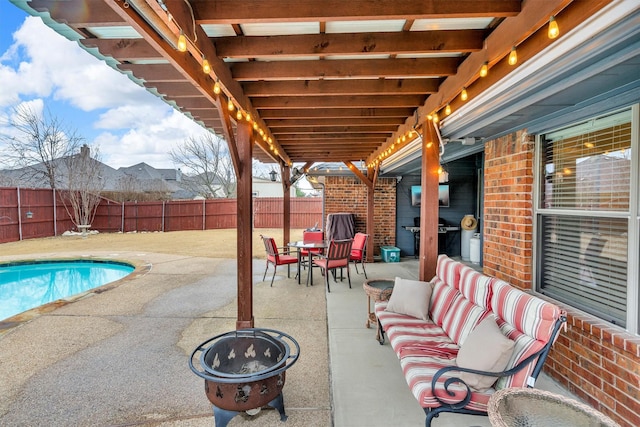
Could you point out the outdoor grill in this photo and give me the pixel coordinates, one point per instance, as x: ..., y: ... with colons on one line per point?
x: 244, y: 370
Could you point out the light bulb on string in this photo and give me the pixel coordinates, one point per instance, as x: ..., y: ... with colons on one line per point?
x: 182, y: 42
x: 464, y: 95
x: 447, y: 109
x: 484, y: 70
x: 230, y: 105
x: 216, y: 88
x: 513, y: 56
x: 206, y: 67
x: 554, y: 30
x: 239, y: 115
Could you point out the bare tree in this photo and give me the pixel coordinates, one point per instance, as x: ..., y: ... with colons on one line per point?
x: 208, y: 162
x: 34, y: 142
x: 84, y: 184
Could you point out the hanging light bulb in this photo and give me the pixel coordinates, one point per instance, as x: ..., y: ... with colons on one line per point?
x: 435, y: 118
x: 248, y: 117
x: 554, y: 31
x: 513, y: 56
x: 216, y: 88
x: 447, y: 109
x: 230, y: 105
x: 206, y: 68
x: 182, y: 42
x: 239, y: 115
x: 484, y: 70
x: 464, y: 95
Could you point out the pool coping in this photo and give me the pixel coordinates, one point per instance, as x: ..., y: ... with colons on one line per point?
x: 140, y: 269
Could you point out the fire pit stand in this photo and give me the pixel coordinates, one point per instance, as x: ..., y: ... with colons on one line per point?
x: 244, y: 370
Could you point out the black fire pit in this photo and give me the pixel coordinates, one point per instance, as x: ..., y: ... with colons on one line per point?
x: 244, y: 370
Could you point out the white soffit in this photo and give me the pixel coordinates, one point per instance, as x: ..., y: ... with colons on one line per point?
x: 451, y: 24
x: 119, y: 32
x: 373, y: 26
x: 280, y: 28
x: 218, y: 30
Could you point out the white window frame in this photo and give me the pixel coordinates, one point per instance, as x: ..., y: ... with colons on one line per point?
x: 633, y: 216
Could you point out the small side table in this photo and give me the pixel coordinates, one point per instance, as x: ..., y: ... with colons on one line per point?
x: 380, y: 290
x: 512, y: 407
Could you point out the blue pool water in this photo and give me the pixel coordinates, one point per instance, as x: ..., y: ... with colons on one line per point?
x: 25, y: 285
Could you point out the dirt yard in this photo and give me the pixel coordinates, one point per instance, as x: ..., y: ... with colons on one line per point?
x: 208, y: 243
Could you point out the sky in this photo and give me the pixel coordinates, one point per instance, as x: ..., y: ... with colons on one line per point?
x: 47, y: 72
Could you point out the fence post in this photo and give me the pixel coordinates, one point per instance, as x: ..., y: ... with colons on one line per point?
x: 55, y: 214
x: 204, y: 214
x: 163, y: 205
x: 19, y: 214
x: 122, y: 218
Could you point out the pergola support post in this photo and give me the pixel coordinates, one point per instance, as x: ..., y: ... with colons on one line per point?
x: 286, y: 204
x: 429, y: 202
x: 244, y: 141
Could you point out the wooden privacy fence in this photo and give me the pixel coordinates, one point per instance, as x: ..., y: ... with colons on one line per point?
x: 27, y: 213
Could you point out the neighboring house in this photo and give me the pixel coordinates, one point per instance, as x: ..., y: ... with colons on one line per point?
x: 264, y: 187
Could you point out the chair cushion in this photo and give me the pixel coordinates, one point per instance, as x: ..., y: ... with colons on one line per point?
x: 442, y: 297
x: 448, y: 270
x: 485, y: 349
x: 475, y: 286
x: 461, y: 318
x: 410, y: 297
x: 419, y: 371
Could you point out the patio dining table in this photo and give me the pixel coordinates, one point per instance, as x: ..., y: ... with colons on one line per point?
x: 301, y: 244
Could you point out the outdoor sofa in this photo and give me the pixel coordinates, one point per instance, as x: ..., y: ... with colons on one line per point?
x: 465, y: 335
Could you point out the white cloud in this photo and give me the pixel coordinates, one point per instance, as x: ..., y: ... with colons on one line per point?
x: 133, y: 125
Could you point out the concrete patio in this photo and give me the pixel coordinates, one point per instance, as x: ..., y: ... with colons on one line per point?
x: 119, y: 357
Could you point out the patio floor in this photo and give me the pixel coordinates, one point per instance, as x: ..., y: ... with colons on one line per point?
x: 120, y: 357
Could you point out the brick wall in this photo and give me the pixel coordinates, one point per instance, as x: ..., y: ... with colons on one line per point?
x: 349, y: 194
x: 597, y: 361
x: 508, y: 207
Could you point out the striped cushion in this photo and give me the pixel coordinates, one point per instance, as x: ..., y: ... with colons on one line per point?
x: 475, y: 286
x: 524, y: 347
x: 419, y: 371
x: 448, y: 270
x: 406, y: 332
x: 442, y: 297
x: 527, y: 313
x: 461, y: 318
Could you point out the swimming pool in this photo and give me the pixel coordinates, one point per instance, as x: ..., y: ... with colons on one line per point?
x: 29, y: 284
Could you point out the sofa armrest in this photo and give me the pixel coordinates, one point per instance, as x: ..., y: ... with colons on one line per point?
x: 541, y: 355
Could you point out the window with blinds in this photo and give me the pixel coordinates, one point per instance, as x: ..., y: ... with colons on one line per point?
x: 584, y: 264
x: 588, y: 166
x: 583, y: 243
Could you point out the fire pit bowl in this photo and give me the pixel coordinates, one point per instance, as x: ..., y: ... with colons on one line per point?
x: 244, y: 370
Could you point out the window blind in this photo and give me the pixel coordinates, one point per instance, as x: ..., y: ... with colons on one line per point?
x: 584, y: 264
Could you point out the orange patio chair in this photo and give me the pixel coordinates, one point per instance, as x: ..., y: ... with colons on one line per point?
x: 359, y: 251
x: 276, y: 258
x: 337, y: 256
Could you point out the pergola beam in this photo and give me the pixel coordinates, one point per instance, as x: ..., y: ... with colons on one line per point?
x: 341, y: 87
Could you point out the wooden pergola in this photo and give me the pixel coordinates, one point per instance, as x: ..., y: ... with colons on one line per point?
x: 300, y: 82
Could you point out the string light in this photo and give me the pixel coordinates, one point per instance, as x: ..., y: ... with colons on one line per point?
x: 513, y: 56
x: 447, y: 109
x: 554, y: 31
x: 216, y: 88
x: 182, y: 42
x: 435, y: 118
x: 239, y: 115
x: 230, y: 105
x: 484, y: 70
x: 464, y: 95
x: 206, y: 68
